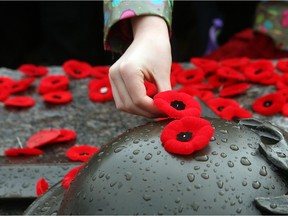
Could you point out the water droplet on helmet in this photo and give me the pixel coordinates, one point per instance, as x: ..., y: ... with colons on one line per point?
x: 230, y: 164
x: 202, y: 158
x: 256, y: 184
x: 273, y: 205
x: 263, y: 171
x: 223, y: 131
x: 220, y: 184
x: 191, y: 177
x: 234, y: 147
x: 148, y: 156
x: 223, y: 155
x: 204, y: 175
x: 128, y: 176
x: 119, y: 149
x: 135, y: 152
x: 146, y: 197
x: 244, y: 161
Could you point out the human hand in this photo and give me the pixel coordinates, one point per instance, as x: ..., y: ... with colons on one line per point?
x: 147, y: 58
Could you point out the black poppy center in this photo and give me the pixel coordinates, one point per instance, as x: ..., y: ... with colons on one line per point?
x: 222, y: 80
x: 267, y: 103
x: 84, y: 154
x: 258, y: 71
x: 77, y: 71
x: 184, y: 136
x: 190, y: 77
x: 57, y: 96
x: 179, y: 105
x: 220, y: 108
x: 55, y: 81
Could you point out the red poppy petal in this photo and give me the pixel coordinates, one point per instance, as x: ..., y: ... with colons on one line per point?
x: 100, y: 72
x: 58, y: 97
x: 151, y: 88
x: 23, y: 152
x: 282, y: 65
x: 234, y: 89
x: 42, y: 137
x: 33, y: 70
x: 229, y: 73
x: 284, y: 110
x: 41, y: 186
x: 53, y: 83
x: 219, y: 104
x: 236, y: 63
x: 208, y: 65
x: 21, y: 85
x: 65, y: 135
x: 20, y: 101
x: 190, y: 76
x: 100, y: 91
x: 68, y: 178
x: 177, y: 104
x: 219, y: 81
x: 81, y: 153
x: 232, y: 112
x: 282, y: 82
x: 77, y: 69
x: 186, y: 135
x: 269, y: 104
x: 4, y: 93
x: 6, y: 81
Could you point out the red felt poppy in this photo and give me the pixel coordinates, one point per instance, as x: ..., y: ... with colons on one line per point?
x: 208, y: 65
x: 177, y: 104
x: 4, y: 93
x: 33, y: 70
x: 69, y: 177
x: 173, y: 80
x: 20, y: 101
x: 100, y: 72
x: 190, y: 76
x: 234, y: 89
x: 77, y: 69
x: 219, y: 81
x: 202, y: 94
x: 42, y: 137
x: 282, y: 82
x: 219, y: 104
x: 65, y: 135
x: 53, y: 83
x: 58, y: 97
x: 176, y: 68
x: 284, y: 110
x: 81, y: 153
x: 6, y: 81
x: 282, y: 65
x: 41, y: 186
x: 236, y: 63
x: 101, y: 91
x: 186, y: 135
x: 233, y: 112
x: 151, y: 88
x: 21, y: 85
x: 229, y: 73
x: 269, y: 104
x: 270, y: 79
x: 23, y: 152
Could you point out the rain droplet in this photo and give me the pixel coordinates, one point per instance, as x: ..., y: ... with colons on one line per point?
x: 146, y: 197
x: 281, y: 154
x: 128, y: 176
x: 214, y: 153
x: 221, y: 193
x: 273, y: 205
x: 197, y: 186
x: 148, y: 156
x: 25, y: 184
x: 244, y: 183
x: 119, y: 149
x: 136, y: 141
x: 101, y: 174
x: 223, y: 131
x: 223, y: 155
x: 135, y: 152
x: 244, y: 161
x: 230, y: 164
x: 202, y: 158
x: 191, y: 177
x: 220, y: 184
x: 177, y: 200
x: 212, y: 138
x: 256, y: 184
x: 204, y: 175
x: 239, y: 210
x: 196, y: 167
x: 234, y: 147
x: 224, y: 140
x: 195, y: 206
x: 263, y: 171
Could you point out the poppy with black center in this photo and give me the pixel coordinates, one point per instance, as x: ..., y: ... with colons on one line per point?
x: 233, y: 90
x: 77, y: 69
x: 233, y: 113
x: 190, y: 76
x: 81, y: 152
x: 65, y: 135
x: 186, y: 135
x: 23, y: 152
x: 53, y: 83
x: 20, y: 101
x: 177, y: 104
x: 208, y: 65
x: 229, y: 73
x: 219, y: 104
x: 21, y: 85
x: 269, y: 104
x: 282, y: 65
x: 58, y: 97
x: 33, y: 70
x: 218, y: 81
x: 100, y: 90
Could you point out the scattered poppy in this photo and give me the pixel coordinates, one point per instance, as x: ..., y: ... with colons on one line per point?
x: 58, y: 97
x: 269, y: 104
x: 176, y: 68
x: 190, y: 76
x: 69, y: 177
x: 4, y: 93
x: 6, y: 81
x: 21, y: 85
x: 234, y: 89
x: 233, y: 112
x: 42, y: 137
x: 219, y: 104
x: 229, y: 73
x: 282, y: 82
x: 20, y: 101
x: 65, y: 135
x: 41, y: 186
x: 77, y: 69
x: 100, y: 91
x: 186, y: 135
x: 151, y: 88
x: 81, y: 153
x: 236, y: 63
x: 100, y: 72
x: 284, y: 110
x: 23, y: 152
x: 177, y: 104
x: 33, y: 70
x: 208, y: 65
x: 53, y: 83
x: 219, y: 81
x: 202, y: 94
x: 282, y: 65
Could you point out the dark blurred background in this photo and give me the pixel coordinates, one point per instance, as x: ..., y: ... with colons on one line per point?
x: 50, y: 32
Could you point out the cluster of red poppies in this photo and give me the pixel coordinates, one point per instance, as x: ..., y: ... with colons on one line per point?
x: 187, y: 132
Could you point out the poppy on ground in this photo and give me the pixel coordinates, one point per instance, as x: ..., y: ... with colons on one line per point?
x: 20, y: 101
x: 42, y: 137
x: 23, y: 152
x: 65, y: 135
x: 236, y: 63
x: 58, y: 97
x: 69, y: 177
x: 219, y: 104
x: 4, y: 93
x: 33, y: 70
x: 282, y: 65
x: 77, y: 69
x: 190, y: 76
x: 6, y: 81
x: 21, y: 85
x: 282, y: 82
x: 233, y: 112
x: 186, y: 135
x: 177, y: 104
x: 230, y: 73
x: 219, y: 81
x: 234, y: 89
x: 100, y: 91
x: 41, y: 186
x: 208, y: 65
x: 81, y: 152
x: 53, y: 83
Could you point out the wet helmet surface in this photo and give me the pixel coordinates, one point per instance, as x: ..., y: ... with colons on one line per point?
x: 135, y: 175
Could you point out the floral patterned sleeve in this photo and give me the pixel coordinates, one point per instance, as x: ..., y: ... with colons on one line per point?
x: 117, y: 27
x: 272, y: 19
